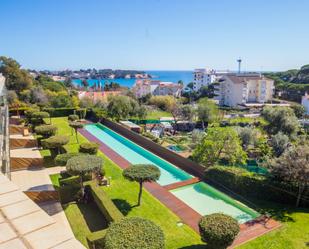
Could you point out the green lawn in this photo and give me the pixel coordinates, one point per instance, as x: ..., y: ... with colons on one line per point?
x: 157, y: 114
x: 124, y: 194
x: 293, y: 234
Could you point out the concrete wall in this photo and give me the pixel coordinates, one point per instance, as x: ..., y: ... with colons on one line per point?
x: 179, y: 161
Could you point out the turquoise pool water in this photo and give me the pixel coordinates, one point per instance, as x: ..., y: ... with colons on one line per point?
x: 136, y: 154
x: 205, y: 199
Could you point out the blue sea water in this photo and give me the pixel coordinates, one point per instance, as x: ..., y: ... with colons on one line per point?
x: 173, y: 76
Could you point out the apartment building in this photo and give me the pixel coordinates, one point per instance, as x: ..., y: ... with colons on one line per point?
x: 205, y: 77
x: 156, y: 87
x: 240, y: 89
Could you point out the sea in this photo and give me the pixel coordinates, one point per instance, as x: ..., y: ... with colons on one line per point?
x: 171, y: 76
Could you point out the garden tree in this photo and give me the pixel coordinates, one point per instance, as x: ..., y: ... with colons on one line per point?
x: 281, y: 119
x: 73, y: 117
x: 218, y: 230
x: 46, y: 131
x: 37, y: 118
x: 89, y: 148
x: 38, y: 95
x: 187, y: 112
x: 75, y: 125
x: 121, y: 107
x: 220, y: 144
x: 292, y: 167
x: 61, y: 100
x: 134, y: 233
x: 141, y: 112
x: 142, y: 173
x: 299, y: 110
x: 62, y: 159
x: 196, y: 137
x: 164, y: 103
x: 17, y: 79
x: 100, y: 113
x: 55, y: 143
x: 247, y: 135
x: 207, y: 111
x: 279, y: 143
x: 83, y: 164
x: 12, y: 97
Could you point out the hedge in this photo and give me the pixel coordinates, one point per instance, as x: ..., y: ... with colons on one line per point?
x: 218, y: 230
x: 105, y: 204
x: 96, y: 239
x: 89, y: 148
x: 59, y: 112
x: 61, y: 160
x: 249, y: 184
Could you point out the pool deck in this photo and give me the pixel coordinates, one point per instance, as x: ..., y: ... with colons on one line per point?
x: 248, y: 231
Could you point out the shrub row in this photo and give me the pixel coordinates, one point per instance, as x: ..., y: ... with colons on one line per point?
x: 96, y: 239
x: 249, y: 184
x: 105, y: 204
x: 59, y: 112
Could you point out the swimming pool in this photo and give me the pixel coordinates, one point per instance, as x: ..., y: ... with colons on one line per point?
x: 136, y: 154
x: 205, y: 199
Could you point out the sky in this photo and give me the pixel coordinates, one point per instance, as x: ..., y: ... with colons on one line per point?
x: 155, y: 34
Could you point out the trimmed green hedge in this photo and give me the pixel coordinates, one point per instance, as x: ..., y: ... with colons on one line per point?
x: 249, y: 184
x: 61, y: 160
x: 89, y: 148
x: 105, y: 204
x: 96, y: 239
x: 59, y: 112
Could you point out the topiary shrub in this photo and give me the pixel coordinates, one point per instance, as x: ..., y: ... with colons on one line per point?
x: 89, y: 148
x: 62, y: 159
x: 82, y: 165
x: 36, y: 118
x: 73, y: 117
x: 76, y: 125
x: 134, y: 233
x: 46, y: 130
x: 218, y: 230
x: 55, y: 143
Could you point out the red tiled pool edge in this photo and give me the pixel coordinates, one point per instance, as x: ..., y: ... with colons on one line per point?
x: 248, y: 231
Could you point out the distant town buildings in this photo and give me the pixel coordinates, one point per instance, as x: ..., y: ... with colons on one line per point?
x: 97, y: 96
x: 305, y: 103
x: 242, y: 89
x: 205, y: 77
x: 156, y: 87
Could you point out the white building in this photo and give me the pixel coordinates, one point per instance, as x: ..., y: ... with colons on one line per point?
x: 203, y: 77
x: 155, y: 87
x: 305, y: 103
x: 240, y: 89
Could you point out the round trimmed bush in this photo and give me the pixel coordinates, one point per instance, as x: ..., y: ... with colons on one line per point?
x: 134, y: 233
x: 46, y: 130
x: 62, y: 159
x: 218, y: 230
x: 73, y: 117
x: 55, y: 144
x: 89, y: 148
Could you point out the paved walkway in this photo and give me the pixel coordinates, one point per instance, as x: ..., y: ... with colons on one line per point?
x: 24, y: 225
x: 35, y: 179
x: 248, y: 231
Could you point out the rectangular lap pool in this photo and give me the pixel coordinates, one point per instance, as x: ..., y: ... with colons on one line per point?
x: 205, y: 199
x: 136, y: 154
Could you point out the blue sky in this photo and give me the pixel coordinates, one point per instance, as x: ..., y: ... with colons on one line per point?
x: 155, y: 34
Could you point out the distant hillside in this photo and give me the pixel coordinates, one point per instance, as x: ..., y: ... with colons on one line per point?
x: 291, y: 84
x: 300, y: 76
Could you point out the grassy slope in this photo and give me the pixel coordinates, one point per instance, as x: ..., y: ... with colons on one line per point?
x: 124, y: 194
x: 157, y: 114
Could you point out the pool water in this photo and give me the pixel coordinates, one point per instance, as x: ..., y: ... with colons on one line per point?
x: 136, y: 154
x: 205, y: 200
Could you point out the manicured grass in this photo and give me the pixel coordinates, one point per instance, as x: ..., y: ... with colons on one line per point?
x: 124, y: 194
x: 293, y: 234
x: 54, y: 179
x: 157, y: 114
x: 84, y: 220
